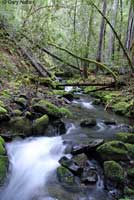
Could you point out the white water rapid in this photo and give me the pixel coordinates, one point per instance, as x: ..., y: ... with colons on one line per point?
x: 32, y: 161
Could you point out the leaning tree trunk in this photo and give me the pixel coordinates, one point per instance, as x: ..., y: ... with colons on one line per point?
x: 101, y: 35
x: 113, y: 22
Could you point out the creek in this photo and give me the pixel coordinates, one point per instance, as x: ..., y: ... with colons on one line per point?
x: 33, y: 161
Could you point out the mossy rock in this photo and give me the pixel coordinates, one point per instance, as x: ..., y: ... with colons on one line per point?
x: 40, y: 124
x: 3, y: 111
x: 2, y: 141
x: 66, y: 178
x: 130, y: 173
x: 130, y: 148
x: 125, y: 137
x: 129, y: 192
x: 113, y: 171
x: 121, y: 107
x: 17, y: 112
x: 65, y: 112
x: 3, y: 168
x: 113, y: 150
x: 20, y: 125
x: 21, y: 102
x: 45, y: 107
x: 2, y: 148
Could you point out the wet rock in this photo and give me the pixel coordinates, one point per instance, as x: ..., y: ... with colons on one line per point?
x: 125, y: 137
x: 71, y: 166
x: 66, y: 178
x: 60, y: 126
x: 93, y: 144
x: 69, y: 96
x: 81, y: 160
x: 113, y: 150
x: 110, y: 122
x: 114, y: 173
x: 89, y: 176
x: 40, y: 124
x: 88, y: 123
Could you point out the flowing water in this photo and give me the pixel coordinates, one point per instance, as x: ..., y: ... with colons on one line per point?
x: 33, y: 161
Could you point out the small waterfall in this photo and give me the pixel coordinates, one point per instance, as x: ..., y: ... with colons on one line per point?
x: 32, y: 161
x: 72, y: 127
x: 68, y: 88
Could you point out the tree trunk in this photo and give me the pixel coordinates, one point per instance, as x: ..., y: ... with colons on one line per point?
x: 86, y: 64
x: 101, y: 35
x: 113, y: 22
x: 130, y: 33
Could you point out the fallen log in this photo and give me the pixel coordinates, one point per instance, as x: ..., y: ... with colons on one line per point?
x: 113, y: 84
x: 35, y: 63
x: 52, y: 54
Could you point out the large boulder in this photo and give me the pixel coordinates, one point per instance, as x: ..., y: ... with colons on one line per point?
x: 113, y: 150
x: 40, y: 124
x: 45, y: 107
x: 113, y: 172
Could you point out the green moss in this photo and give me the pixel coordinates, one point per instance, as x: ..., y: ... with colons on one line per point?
x: 121, y: 107
x: 65, y: 112
x: 130, y: 172
x: 17, y: 112
x: 88, y: 89
x: 40, y: 124
x: 3, y: 168
x: 130, y: 148
x: 2, y: 104
x: 3, y: 111
x: 21, y: 101
x: 65, y: 176
x: 2, y: 140
x: 114, y: 150
x: 125, y: 137
x: 128, y: 191
x: 2, y: 149
x: 48, y: 108
x: 113, y: 171
x: 20, y: 125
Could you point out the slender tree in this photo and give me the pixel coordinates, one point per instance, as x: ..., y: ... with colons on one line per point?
x: 113, y: 22
x: 102, y: 32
